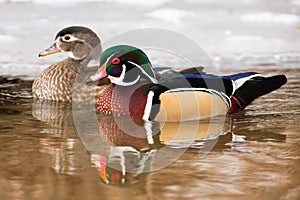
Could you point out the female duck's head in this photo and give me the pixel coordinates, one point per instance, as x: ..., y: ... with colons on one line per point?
x: 77, y: 42
x: 124, y: 65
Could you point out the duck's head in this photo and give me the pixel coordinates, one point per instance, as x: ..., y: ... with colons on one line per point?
x: 77, y: 42
x: 124, y: 65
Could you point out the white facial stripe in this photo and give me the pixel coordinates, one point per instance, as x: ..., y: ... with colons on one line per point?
x: 71, y: 38
x: 153, y: 80
x: 123, y: 72
x: 69, y: 53
x: 56, y: 42
x: 117, y: 80
x: 111, y: 56
x: 120, y: 80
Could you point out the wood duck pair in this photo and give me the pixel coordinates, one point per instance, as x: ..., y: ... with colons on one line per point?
x: 191, y: 94
x: 137, y: 91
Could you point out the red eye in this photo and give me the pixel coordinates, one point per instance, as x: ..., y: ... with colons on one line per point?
x: 115, y: 61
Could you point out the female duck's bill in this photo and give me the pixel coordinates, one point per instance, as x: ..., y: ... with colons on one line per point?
x: 51, y: 50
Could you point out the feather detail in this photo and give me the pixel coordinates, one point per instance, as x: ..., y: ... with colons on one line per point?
x: 56, y: 83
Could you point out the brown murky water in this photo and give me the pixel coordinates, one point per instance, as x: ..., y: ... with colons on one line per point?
x: 43, y: 157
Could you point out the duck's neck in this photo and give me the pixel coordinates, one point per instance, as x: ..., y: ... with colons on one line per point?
x: 77, y: 65
x: 124, y: 101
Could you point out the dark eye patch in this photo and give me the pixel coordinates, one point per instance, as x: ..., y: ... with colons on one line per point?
x: 114, y: 70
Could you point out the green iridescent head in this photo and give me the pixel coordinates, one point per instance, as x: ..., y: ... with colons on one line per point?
x: 125, y: 65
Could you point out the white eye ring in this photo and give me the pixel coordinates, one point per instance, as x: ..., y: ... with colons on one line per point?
x: 70, y: 38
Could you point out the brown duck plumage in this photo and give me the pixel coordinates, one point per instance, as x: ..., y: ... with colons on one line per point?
x: 57, y: 81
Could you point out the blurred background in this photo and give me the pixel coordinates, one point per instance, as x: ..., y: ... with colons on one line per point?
x: 233, y: 33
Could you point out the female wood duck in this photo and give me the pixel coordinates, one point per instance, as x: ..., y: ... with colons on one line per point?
x: 56, y: 82
x: 188, y: 95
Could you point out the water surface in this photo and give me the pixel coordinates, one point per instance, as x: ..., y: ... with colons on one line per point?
x: 43, y: 157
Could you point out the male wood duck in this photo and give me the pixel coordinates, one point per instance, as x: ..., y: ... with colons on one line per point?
x: 188, y: 95
x: 81, y: 45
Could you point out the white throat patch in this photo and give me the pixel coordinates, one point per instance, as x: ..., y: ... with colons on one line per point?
x: 71, y: 55
x: 120, y: 80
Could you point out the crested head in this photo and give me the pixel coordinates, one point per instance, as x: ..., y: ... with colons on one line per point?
x: 74, y: 30
x: 77, y: 42
x: 125, y: 65
x: 80, y: 33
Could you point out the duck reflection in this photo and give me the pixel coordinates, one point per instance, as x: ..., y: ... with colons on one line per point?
x: 56, y: 114
x: 62, y: 142
x: 125, y: 151
x: 130, y: 149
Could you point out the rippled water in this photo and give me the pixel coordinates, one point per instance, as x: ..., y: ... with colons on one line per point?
x: 255, y: 156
